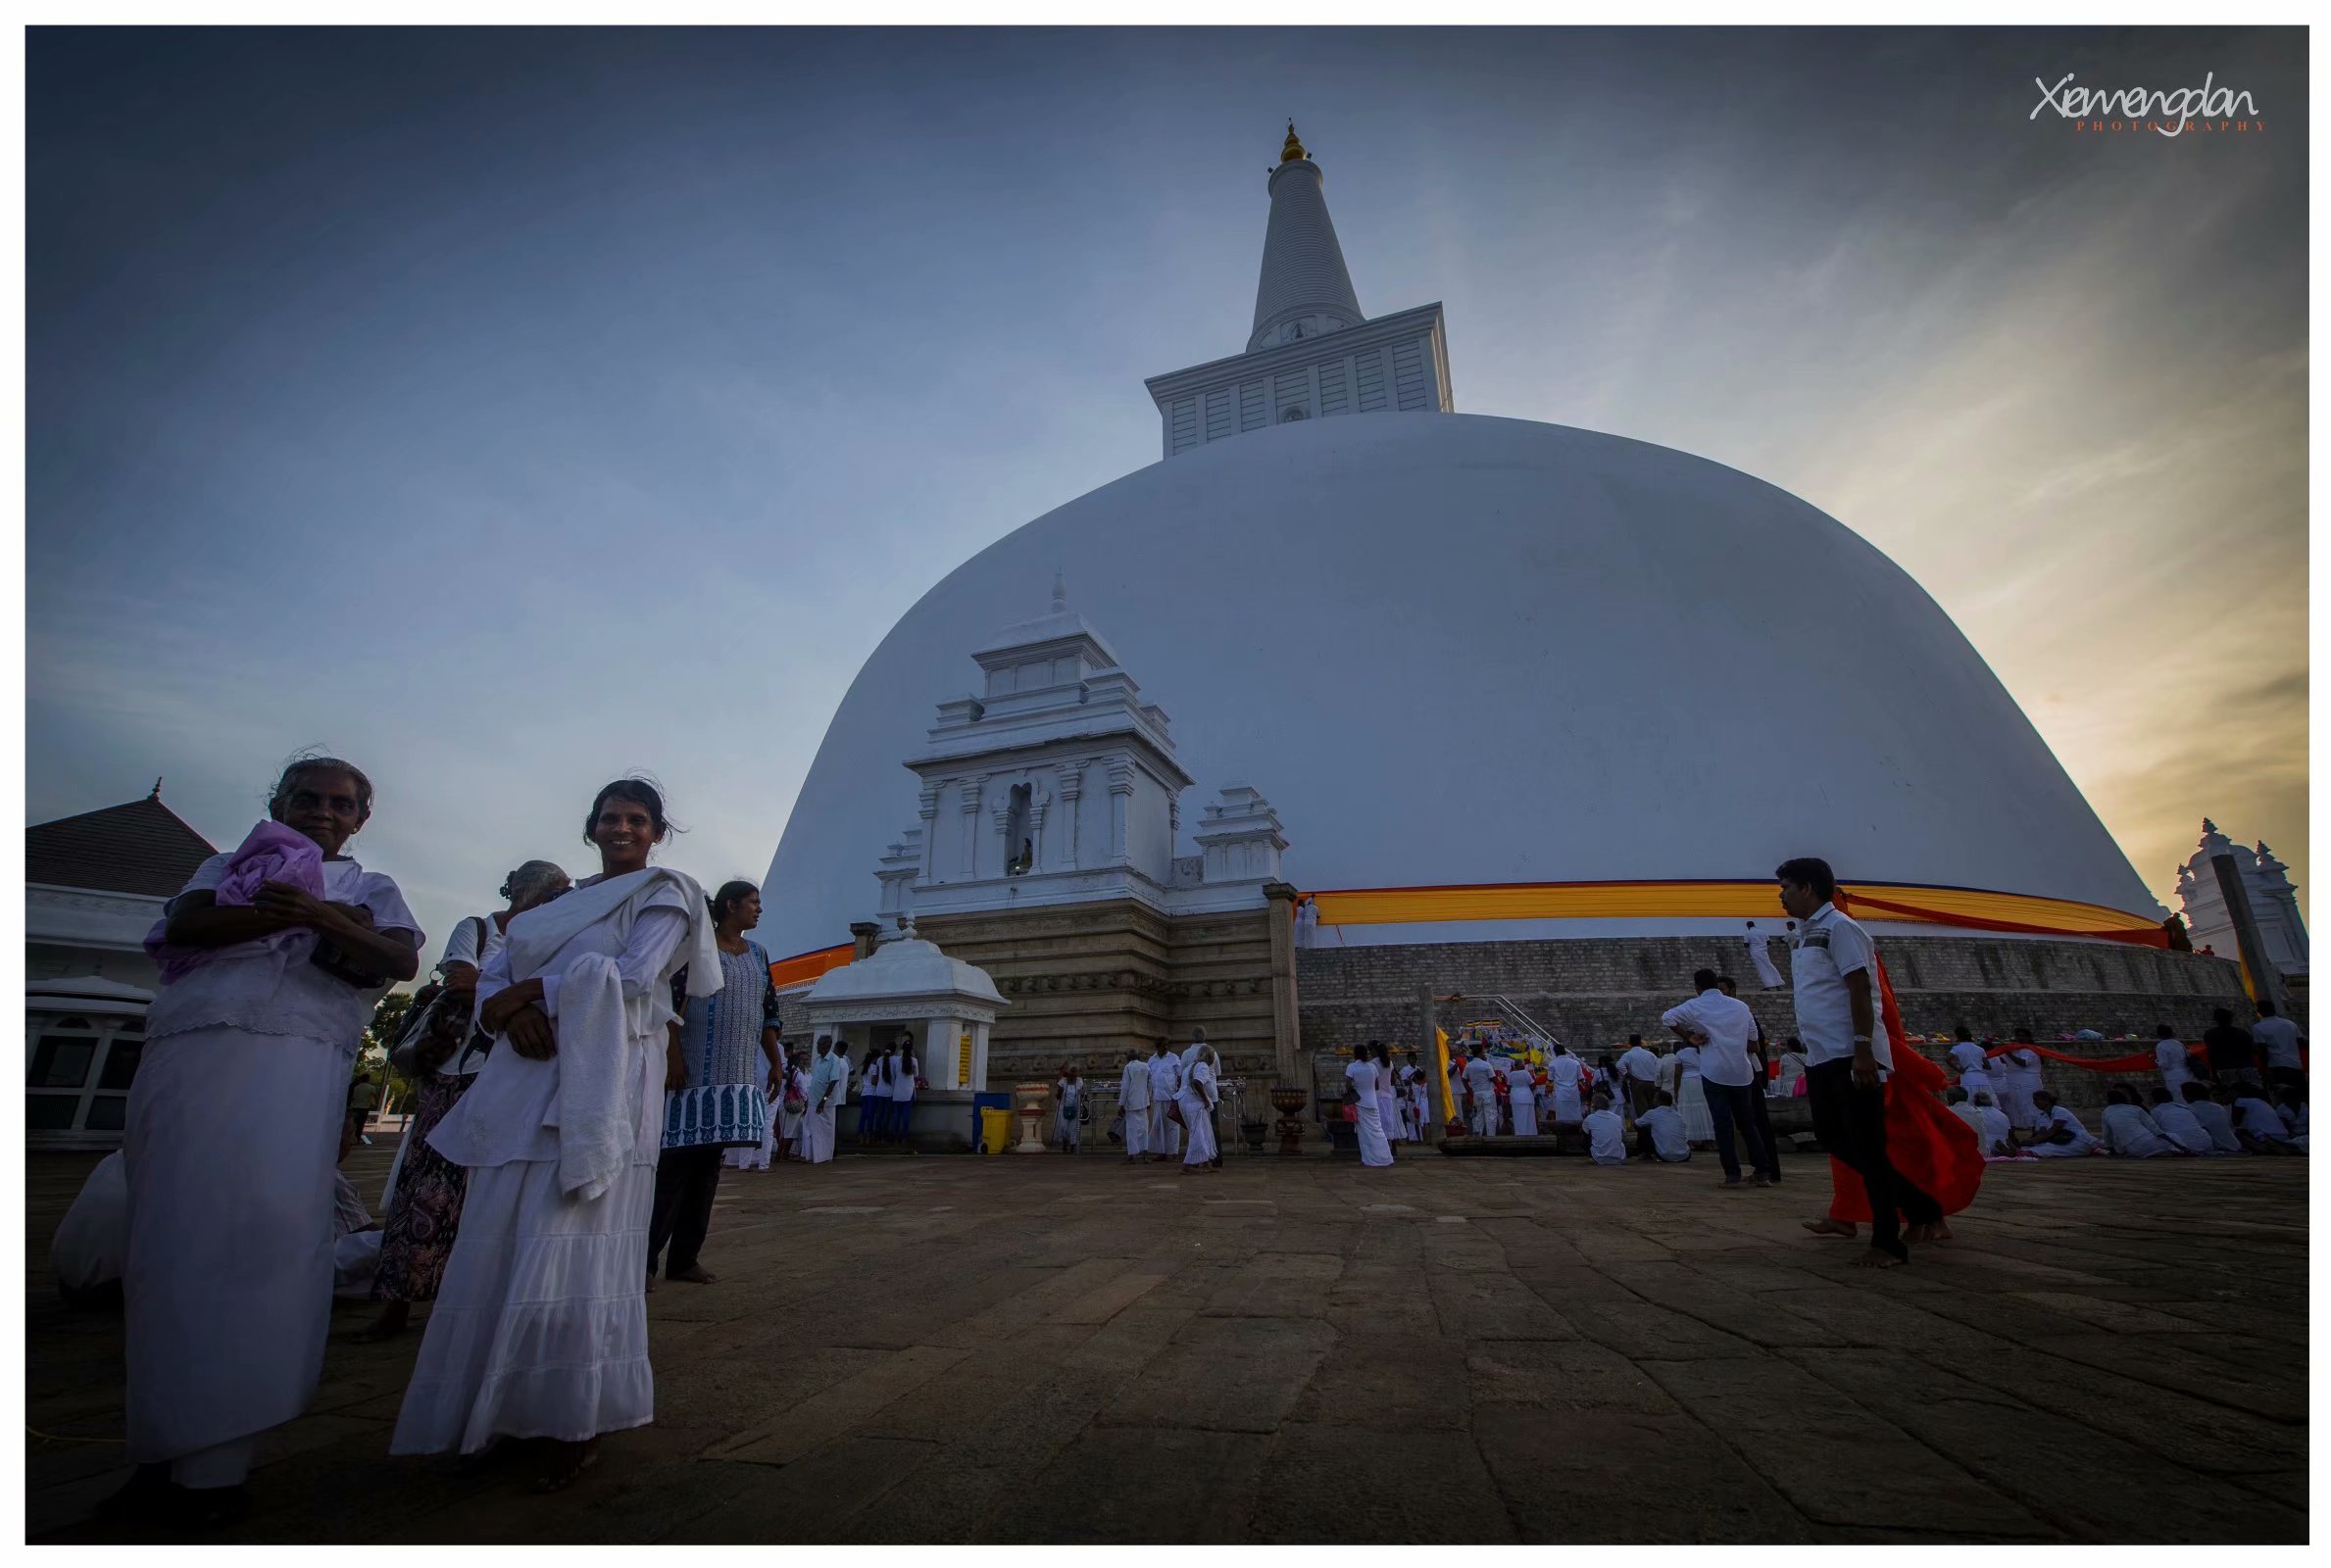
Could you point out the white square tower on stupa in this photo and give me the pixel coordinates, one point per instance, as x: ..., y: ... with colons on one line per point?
x: 1058, y: 784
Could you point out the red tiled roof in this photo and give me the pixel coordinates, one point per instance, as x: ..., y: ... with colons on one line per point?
x: 139, y: 848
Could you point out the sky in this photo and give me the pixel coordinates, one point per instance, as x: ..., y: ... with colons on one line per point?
x: 510, y: 411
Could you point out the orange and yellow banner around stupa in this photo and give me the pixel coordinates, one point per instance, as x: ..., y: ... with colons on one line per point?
x: 1970, y: 909
x: 1966, y: 909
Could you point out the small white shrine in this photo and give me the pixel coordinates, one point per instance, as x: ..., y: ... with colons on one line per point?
x: 1058, y: 784
x: 908, y: 986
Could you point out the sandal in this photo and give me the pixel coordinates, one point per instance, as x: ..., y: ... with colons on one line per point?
x: 567, y: 1460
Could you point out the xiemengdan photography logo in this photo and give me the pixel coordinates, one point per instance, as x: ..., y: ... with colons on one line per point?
x: 2165, y: 111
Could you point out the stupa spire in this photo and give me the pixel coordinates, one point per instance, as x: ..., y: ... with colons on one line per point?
x: 1306, y: 289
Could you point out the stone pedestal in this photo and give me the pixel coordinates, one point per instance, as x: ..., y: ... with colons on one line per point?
x: 1028, y: 1106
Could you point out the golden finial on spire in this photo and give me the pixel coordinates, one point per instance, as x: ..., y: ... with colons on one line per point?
x: 1294, y: 149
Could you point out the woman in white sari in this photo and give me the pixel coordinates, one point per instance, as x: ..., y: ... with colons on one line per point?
x: 540, y: 1329
x: 1523, y: 1096
x: 232, y: 1137
x: 1374, y: 1147
x: 1198, y: 1097
x: 1387, y: 1093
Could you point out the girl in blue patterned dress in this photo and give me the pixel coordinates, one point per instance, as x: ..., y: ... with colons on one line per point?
x: 722, y: 1066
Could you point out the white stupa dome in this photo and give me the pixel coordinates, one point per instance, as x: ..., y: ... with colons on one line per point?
x: 1457, y: 648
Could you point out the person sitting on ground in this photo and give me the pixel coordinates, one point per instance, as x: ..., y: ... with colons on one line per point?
x: 2294, y: 1111
x: 1606, y: 1134
x: 1789, y: 1082
x: 2059, y: 1133
x: 1997, y: 1131
x: 1963, y: 1107
x: 2215, y: 1119
x: 1660, y: 1133
x: 2130, y: 1133
x: 2262, y: 1127
x: 2178, y: 1124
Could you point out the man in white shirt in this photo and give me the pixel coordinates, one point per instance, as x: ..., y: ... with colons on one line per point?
x: 2178, y: 1124
x: 2130, y: 1133
x: 1639, y: 1070
x: 1722, y: 1027
x: 1481, y: 1079
x: 1760, y: 950
x: 1606, y: 1134
x: 2215, y: 1119
x: 2280, y: 1040
x: 1564, y: 1073
x: 1132, y: 1099
x: 1165, y: 1088
x: 1845, y: 1060
x: 1660, y: 1128
x: 2059, y: 1133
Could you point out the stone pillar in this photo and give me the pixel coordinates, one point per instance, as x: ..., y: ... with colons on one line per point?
x: 2265, y: 978
x: 861, y: 937
x: 1286, y: 1017
x: 1073, y: 793
x: 926, y: 805
x: 974, y: 787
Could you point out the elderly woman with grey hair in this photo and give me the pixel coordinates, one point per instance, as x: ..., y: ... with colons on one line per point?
x: 424, y: 1196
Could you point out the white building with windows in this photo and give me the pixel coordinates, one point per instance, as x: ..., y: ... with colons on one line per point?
x: 96, y: 884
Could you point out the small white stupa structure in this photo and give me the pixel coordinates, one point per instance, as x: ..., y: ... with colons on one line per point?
x: 907, y: 986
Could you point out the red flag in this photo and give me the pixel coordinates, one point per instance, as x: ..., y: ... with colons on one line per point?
x: 1928, y: 1145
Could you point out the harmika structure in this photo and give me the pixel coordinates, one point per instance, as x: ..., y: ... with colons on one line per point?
x: 1539, y: 708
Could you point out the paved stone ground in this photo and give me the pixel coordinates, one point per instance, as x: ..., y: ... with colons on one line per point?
x: 1046, y: 1350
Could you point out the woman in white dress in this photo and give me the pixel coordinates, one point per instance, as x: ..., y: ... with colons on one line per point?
x: 541, y: 1329
x: 1199, y: 1091
x: 231, y: 1141
x: 1374, y: 1147
x: 1387, y: 1093
x: 1691, y: 1098
x: 1523, y: 1096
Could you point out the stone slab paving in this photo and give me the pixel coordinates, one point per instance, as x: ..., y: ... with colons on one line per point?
x: 961, y: 1350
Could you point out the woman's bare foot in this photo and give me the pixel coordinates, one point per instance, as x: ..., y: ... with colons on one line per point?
x: 1825, y: 1226
x: 564, y: 1462
x: 391, y: 1323
x: 694, y: 1274
x: 1874, y: 1258
x: 651, y: 1290
x: 1938, y: 1231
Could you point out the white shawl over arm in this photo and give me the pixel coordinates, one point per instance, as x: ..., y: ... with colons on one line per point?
x: 601, y: 995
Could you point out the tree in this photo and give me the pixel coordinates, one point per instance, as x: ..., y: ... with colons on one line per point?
x: 389, y: 1018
